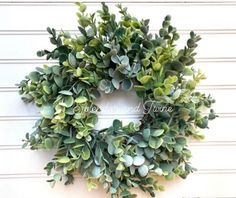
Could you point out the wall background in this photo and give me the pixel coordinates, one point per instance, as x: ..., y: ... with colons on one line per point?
x: 22, y: 33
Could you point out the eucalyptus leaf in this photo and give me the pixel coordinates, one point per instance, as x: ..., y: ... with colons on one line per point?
x: 47, y: 111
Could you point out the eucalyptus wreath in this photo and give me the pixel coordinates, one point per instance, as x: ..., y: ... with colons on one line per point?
x: 107, y: 56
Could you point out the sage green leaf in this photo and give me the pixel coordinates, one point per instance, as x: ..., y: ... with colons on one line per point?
x: 143, y: 170
x: 138, y: 160
x: 157, y: 132
x: 56, y: 70
x: 170, y: 176
x: 69, y: 101
x: 57, y: 177
x: 72, y: 59
x: 124, y: 60
x: 81, y: 99
x: 155, y: 143
x: 48, y: 143
x: 69, y: 141
x: 176, y: 94
x: 127, y: 84
x: 96, y: 171
x: 85, y: 153
x: 115, y: 83
x: 202, y: 123
x: 128, y: 160
x: 117, y: 124
x: 34, y: 76
x: 63, y: 160
x: 181, y: 140
x: 142, y: 144
x: 166, y: 167
x: 65, y: 92
x: 149, y: 153
x: 177, y: 65
x: 79, y: 55
x: 47, y: 111
x: 158, y: 171
x: 58, y: 80
x: 146, y: 134
x: 115, y: 59
x: 184, y: 114
x: 124, y: 193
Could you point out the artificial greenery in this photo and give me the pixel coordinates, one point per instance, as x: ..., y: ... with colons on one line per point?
x: 108, y: 55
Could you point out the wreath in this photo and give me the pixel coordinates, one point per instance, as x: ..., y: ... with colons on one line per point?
x: 107, y: 56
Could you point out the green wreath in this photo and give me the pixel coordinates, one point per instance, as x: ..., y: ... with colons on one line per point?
x: 105, y: 57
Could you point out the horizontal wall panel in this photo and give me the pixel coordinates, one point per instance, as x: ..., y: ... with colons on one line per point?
x: 35, y: 161
x: 221, y: 130
x: 14, y: 73
x: 38, y: 188
x: 197, y: 185
x: 122, y: 1
x: 11, y: 104
x: 185, y: 16
x: 212, y: 45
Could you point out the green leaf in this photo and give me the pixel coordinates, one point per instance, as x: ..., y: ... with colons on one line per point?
x: 57, y: 177
x: 176, y: 94
x: 146, y: 134
x: 69, y: 141
x: 58, y: 80
x: 47, y: 111
x: 145, y: 79
x: 81, y: 99
x: 139, y: 88
x: 82, y: 6
x: 128, y: 160
x: 138, y: 160
x: 78, y: 72
x: 96, y: 171
x: 117, y: 124
x: 65, y: 92
x: 166, y: 167
x: 143, y: 170
x: 124, y: 60
x: 85, y: 153
x: 115, y: 83
x: 34, y: 76
x: 115, y: 59
x: 155, y: 143
x: 142, y: 144
x: 72, y: 59
x: 69, y: 101
x: 149, y: 153
x: 47, y: 89
x: 127, y: 85
x: 157, y: 132
x: 158, y: 171
x: 63, y: 160
x: 94, y: 42
x: 181, y: 140
x: 145, y: 62
x: 124, y: 193
x: 48, y: 143
x: 178, y: 66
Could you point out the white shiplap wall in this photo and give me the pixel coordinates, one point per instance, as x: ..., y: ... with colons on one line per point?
x: 22, y: 33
